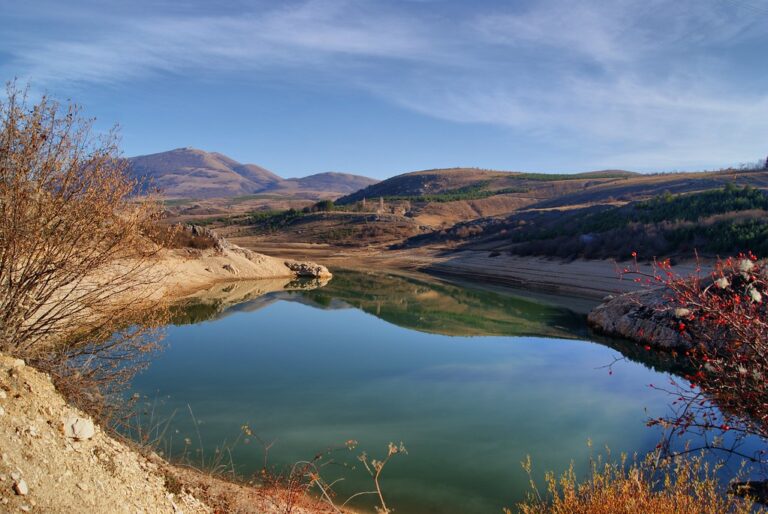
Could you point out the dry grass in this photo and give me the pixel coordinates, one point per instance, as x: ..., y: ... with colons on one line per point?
x: 685, y: 486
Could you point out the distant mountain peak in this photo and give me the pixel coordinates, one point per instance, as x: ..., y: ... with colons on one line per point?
x: 189, y: 172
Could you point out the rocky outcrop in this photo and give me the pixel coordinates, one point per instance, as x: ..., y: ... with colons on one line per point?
x: 646, y: 317
x: 231, y: 259
x: 304, y: 269
x: 219, y: 242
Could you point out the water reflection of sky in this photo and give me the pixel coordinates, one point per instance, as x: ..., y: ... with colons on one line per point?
x: 469, y: 409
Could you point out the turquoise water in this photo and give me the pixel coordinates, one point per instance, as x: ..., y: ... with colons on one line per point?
x: 376, y: 358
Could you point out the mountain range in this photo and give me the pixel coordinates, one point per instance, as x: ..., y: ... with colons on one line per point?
x: 194, y: 173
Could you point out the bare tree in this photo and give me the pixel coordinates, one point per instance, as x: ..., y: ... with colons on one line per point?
x: 75, y: 262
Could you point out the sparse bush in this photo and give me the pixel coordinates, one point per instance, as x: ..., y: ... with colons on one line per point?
x: 683, y: 486
x: 74, y: 257
x: 723, y: 316
x: 323, y: 206
x: 174, y: 236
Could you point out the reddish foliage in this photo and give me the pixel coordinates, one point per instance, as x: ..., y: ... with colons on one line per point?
x: 723, y: 316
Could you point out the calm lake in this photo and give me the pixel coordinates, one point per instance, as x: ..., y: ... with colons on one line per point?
x: 471, y: 382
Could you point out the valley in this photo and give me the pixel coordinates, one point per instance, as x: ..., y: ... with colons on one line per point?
x: 559, y: 232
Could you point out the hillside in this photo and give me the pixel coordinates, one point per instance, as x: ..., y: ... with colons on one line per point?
x: 445, y: 185
x: 521, y: 213
x: 326, y: 182
x: 193, y: 173
x: 717, y: 221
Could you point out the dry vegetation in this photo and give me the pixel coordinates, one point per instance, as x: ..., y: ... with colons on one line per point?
x: 74, y: 260
x: 76, y: 248
x: 650, y: 486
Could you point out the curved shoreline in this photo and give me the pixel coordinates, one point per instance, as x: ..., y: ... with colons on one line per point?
x: 588, y: 280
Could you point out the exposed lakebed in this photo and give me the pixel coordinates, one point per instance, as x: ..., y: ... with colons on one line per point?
x: 471, y: 382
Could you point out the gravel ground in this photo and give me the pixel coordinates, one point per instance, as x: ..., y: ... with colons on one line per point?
x: 54, y: 459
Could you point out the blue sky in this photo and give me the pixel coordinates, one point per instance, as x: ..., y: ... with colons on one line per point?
x: 382, y: 87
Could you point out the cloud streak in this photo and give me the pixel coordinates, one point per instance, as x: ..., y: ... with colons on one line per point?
x: 302, y: 34
x: 645, y: 84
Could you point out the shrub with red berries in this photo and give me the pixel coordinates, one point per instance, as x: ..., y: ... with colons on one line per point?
x: 724, y: 315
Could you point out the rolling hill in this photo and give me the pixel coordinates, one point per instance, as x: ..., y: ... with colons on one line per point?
x: 524, y: 213
x: 193, y: 173
x: 473, y: 183
x: 720, y: 213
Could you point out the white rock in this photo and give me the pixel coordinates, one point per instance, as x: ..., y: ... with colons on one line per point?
x: 78, y: 428
x: 745, y: 265
x: 2, y: 411
x: 3, y: 395
x: 21, y: 487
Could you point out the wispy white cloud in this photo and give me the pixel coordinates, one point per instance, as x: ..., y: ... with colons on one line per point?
x: 641, y: 83
x: 302, y: 34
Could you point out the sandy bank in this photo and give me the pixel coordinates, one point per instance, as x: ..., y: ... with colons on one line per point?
x: 592, y: 279
x: 42, y: 469
x: 55, y: 459
x: 180, y: 272
x: 585, y: 279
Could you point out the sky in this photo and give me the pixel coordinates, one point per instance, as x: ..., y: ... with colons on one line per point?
x: 381, y: 87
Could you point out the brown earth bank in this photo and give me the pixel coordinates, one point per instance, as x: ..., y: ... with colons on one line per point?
x: 648, y: 317
x: 181, y: 271
x: 579, y: 278
x: 55, y: 459
x: 640, y: 316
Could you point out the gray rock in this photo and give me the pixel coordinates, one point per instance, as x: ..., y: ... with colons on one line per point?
x: 646, y: 317
x: 78, y: 428
x: 308, y: 269
x: 220, y: 244
x: 21, y: 487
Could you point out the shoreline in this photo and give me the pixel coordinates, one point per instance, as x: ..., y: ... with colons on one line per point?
x: 184, y: 272
x: 577, y: 285
x: 583, y: 280
x: 35, y: 416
